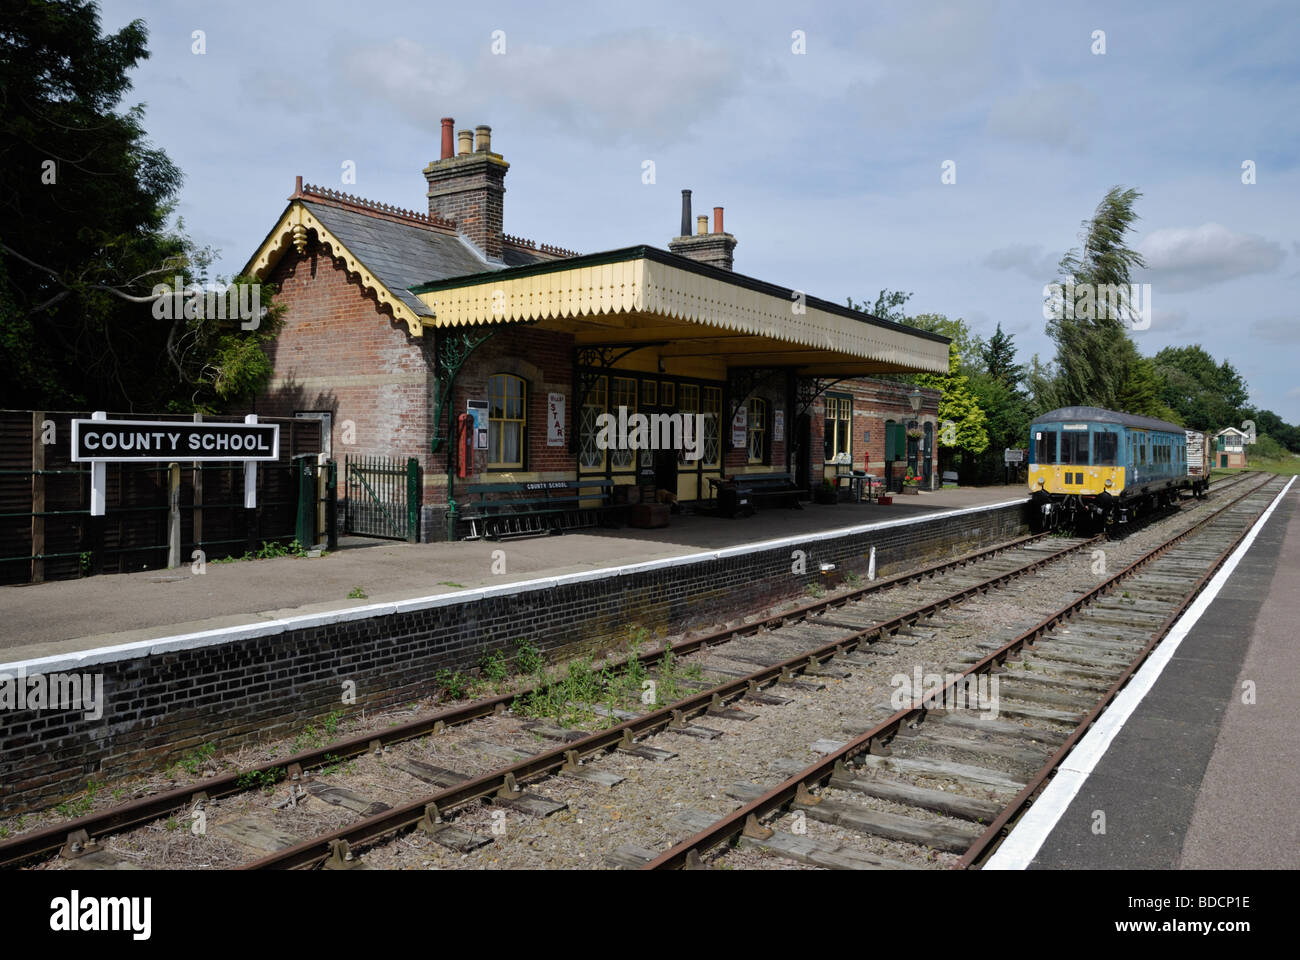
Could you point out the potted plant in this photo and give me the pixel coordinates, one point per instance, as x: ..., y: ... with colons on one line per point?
x: 826, y: 493
x: 911, y: 484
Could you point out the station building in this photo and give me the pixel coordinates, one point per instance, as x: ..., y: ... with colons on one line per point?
x: 399, y: 322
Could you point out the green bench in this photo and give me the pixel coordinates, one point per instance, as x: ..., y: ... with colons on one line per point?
x: 536, y: 507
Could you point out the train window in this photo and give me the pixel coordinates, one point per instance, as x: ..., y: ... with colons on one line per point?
x: 1045, y: 451
x: 1074, y: 448
x: 1105, y: 447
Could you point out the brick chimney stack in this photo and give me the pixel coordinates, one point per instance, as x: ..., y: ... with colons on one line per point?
x: 469, y: 188
x: 714, y: 248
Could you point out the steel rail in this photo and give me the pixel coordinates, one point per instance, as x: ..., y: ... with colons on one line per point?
x: 986, y: 842
x: 136, y: 812
x: 145, y: 809
x: 747, y: 818
x: 337, y: 844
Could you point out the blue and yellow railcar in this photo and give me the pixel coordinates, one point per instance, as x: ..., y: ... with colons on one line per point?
x: 1090, y: 467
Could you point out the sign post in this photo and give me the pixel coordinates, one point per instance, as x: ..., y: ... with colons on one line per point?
x: 98, y: 476
x: 1011, y: 460
x: 100, y: 441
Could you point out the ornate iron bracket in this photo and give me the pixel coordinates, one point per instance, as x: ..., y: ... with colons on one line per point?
x: 591, y: 362
x: 454, y: 349
x: 810, y: 388
x: 742, y: 383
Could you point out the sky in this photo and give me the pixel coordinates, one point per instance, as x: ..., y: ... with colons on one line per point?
x: 825, y: 131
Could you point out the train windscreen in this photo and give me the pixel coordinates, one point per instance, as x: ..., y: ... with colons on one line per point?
x: 1074, y: 448
x: 1045, y: 447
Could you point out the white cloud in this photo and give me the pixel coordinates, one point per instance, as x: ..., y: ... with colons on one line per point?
x: 1189, y: 258
x: 644, y: 86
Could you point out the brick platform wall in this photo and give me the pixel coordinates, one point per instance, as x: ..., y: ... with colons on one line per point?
x: 263, y: 684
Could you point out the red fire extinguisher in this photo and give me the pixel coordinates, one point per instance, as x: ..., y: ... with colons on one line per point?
x: 465, y: 442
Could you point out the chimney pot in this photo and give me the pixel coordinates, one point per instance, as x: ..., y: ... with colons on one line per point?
x: 448, y: 137
x: 686, y: 214
x: 702, y: 225
x: 717, y: 220
x: 470, y: 191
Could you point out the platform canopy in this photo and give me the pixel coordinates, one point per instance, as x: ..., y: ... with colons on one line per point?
x: 689, y: 311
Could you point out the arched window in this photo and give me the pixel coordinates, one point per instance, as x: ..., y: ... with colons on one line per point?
x: 507, y: 420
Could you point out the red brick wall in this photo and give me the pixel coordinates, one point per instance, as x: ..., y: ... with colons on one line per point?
x: 737, y: 458
x: 874, y: 402
x: 339, y: 351
x: 545, y: 361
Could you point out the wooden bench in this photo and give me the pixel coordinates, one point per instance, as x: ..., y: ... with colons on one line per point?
x: 751, y: 489
x: 536, y: 507
x: 950, y: 476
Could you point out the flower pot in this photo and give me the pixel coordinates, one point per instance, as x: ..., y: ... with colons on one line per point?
x: 911, y: 489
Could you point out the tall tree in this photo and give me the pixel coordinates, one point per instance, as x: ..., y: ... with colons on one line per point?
x: 1096, y: 361
x: 1206, y: 394
x: 84, y: 240
x: 999, y: 356
x: 958, y: 406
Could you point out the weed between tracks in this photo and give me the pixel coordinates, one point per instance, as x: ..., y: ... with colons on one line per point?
x: 580, y: 693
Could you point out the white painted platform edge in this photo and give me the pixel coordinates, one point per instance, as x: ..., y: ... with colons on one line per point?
x: 1027, y: 837
x: 79, y: 660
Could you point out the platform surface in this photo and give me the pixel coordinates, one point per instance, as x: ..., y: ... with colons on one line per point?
x: 1197, y: 778
x: 63, y: 616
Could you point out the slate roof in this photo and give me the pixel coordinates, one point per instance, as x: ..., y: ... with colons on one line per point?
x: 405, y: 255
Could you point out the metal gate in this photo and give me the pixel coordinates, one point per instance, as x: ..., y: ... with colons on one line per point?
x: 383, y: 497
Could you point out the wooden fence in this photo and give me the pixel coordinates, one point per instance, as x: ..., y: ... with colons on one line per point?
x: 47, y: 533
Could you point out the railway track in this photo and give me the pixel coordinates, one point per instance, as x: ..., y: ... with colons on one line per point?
x: 1059, y: 675
x: 812, y: 640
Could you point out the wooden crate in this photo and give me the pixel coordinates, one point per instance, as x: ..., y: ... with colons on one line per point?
x: 648, y: 515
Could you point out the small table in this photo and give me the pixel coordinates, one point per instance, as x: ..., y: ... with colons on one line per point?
x: 857, y: 480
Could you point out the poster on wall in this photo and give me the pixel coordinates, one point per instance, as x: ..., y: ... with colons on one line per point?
x: 478, y: 409
x: 778, y: 426
x: 555, y: 419
x: 740, y: 428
